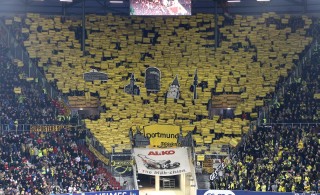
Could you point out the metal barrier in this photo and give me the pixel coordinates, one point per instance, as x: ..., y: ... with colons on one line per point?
x: 21, y: 128
x: 6, y: 128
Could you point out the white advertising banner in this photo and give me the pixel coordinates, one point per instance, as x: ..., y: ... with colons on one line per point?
x: 162, y: 162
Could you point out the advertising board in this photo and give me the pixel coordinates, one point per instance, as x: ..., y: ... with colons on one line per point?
x: 118, y: 192
x: 162, y: 162
x: 240, y: 192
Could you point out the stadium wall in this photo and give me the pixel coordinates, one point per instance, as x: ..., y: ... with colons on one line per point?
x: 240, y: 192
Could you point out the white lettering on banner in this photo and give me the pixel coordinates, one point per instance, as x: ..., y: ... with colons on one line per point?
x: 116, y: 193
x: 219, y: 192
x: 133, y: 192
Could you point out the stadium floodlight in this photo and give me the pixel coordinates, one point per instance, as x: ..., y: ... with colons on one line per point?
x: 116, y: 1
x: 234, y: 1
x: 70, y: 1
x: 263, y: 0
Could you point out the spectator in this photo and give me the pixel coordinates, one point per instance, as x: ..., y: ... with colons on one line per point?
x: 298, y: 104
x: 30, y: 106
x: 279, y: 158
x: 62, y: 167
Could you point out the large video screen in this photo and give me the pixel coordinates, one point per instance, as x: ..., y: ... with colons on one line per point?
x: 160, y: 7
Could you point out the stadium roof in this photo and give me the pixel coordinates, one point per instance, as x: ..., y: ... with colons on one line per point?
x: 245, y: 7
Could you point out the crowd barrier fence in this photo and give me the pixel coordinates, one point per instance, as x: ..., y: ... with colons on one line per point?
x: 20, y: 128
x: 292, y: 124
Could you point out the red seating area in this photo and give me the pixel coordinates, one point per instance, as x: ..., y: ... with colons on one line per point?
x: 113, y: 182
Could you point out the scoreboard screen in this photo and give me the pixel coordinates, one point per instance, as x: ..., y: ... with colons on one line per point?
x: 160, y: 7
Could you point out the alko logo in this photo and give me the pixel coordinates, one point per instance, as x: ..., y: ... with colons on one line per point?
x: 159, y: 153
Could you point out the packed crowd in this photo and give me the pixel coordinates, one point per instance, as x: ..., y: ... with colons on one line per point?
x: 28, y: 104
x: 278, y: 158
x: 48, y: 163
x: 297, y: 102
x: 282, y: 158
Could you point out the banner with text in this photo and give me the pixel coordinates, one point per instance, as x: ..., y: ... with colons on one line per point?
x: 48, y: 128
x: 120, y: 192
x: 240, y: 192
x: 162, y: 136
x: 162, y: 162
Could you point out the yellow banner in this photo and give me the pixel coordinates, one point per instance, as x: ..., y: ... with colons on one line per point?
x: 48, y: 128
x: 162, y: 136
x: 98, y: 155
x: 116, y: 163
x: 17, y: 90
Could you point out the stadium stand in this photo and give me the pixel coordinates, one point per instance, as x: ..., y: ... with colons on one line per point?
x: 283, y: 157
x: 253, y: 54
x: 299, y: 101
x: 279, y: 158
x: 18, y: 97
x: 50, y: 162
x: 41, y: 162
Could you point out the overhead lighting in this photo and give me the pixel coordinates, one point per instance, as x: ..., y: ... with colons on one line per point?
x: 116, y: 1
x: 263, y: 0
x: 234, y: 1
x: 70, y: 1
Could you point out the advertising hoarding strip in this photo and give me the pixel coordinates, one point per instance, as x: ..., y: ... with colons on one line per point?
x: 241, y: 192
x: 118, y: 192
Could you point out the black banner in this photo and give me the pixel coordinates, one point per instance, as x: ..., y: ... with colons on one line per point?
x: 152, y: 79
x: 95, y: 75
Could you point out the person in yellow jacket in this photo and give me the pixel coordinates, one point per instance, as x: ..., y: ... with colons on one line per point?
x: 297, y: 179
x: 232, y: 186
x: 264, y: 187
x: 43, y: 171
x: 258, y: 187
x: 32, y: 155
x: 45, y: 152
x: 282, y: 188
x: 52, y: 174
x: 307, y: 187
x: 293, y: 188
x: 40, y: 154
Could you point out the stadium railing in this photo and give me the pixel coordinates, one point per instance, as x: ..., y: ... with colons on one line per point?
x: 20, y: 128
x: 292, y: 124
